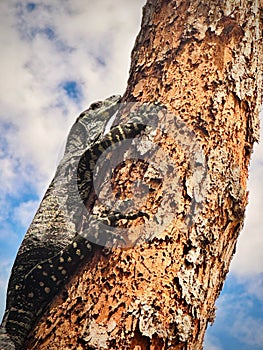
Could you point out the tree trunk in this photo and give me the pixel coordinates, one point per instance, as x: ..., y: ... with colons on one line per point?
x: 202, y: 60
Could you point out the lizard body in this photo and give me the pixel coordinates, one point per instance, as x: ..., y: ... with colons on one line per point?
x: 35, y: 281
x: 50, y: 231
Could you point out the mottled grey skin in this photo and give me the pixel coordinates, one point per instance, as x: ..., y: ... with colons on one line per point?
x: 50, y: 232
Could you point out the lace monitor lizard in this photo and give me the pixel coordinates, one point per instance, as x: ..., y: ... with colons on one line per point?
x: 51, y: 230
x: 35, y: 281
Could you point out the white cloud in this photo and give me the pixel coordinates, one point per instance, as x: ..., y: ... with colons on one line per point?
x: 8, y: 238
x: 24, y: 213
x: 249, y: 331
x: 90, y: 43
x: 253, y: 285
x: 238, y: 320
x: 34, y: 69
x: 211, y: 343
x: 249, y: 258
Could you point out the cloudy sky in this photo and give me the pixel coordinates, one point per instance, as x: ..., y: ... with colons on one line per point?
x: 57, y: 56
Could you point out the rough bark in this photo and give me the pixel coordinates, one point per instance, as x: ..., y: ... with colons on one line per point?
x: 203, y: 61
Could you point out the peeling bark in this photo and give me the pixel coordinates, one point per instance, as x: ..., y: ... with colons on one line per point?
x: 203, y: 61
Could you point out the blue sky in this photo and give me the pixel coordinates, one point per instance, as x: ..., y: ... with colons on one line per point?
x: 57, y: 56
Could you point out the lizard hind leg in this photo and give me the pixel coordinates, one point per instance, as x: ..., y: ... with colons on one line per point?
x: 47, y: 277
